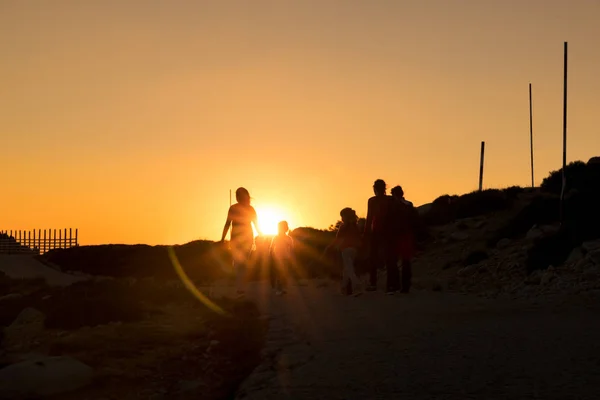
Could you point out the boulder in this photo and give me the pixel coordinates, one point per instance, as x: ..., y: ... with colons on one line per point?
x: 591, y: 246
x: 575, y: 256
x: 39, y: 377
x: 459, y: 236
x: 28, y: 325
x: 503, y: 243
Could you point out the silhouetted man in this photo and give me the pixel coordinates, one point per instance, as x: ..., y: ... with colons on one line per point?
x: 378, y: 232
x: 405, y: 219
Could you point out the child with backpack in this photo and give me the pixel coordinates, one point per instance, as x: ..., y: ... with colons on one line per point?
x: 348, y: 241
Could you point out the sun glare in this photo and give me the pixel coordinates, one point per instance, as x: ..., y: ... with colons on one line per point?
x: 268, y: 218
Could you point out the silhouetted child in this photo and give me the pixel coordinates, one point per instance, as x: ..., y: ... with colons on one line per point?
x: 282, y: 249
x: 348, y: 241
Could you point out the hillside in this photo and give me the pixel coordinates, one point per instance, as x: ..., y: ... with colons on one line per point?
x: 486, y: 241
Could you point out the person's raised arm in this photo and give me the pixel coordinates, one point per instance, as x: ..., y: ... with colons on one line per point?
x: 227, y: 225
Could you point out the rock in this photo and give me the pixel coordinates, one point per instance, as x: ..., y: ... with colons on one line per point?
x: 591, y: 246
x: 459, y: 236
x: 11, y: 296
x: 466, y: 271
x: 547, y: 277
x: 43, y: 377
x: 190, y: 386
x: 503, y: 243
x: 436, y: 286
x: 534, y: 279
x: 27, y: 326
x: 534, y: 233
x: 575, y: 256
x: 594, y: 257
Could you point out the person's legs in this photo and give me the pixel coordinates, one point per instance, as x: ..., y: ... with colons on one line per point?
x: 406, y: 275
x: 391, y: 265
x: 349, y: 257
x: 241, y: 254
x: 346, y: 261
x: 374, y: 261
x: 273, y: 273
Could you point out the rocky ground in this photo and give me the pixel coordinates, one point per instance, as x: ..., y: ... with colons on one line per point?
x: 122, y: 338
x: 459, y: 258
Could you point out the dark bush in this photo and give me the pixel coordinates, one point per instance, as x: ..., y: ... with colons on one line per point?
x: 442, y: 211
x: 576, y: 174
x: 513, y: 192
x: 481, y: 202
x: 446, y: 208
x: 201, y: 260
x: 543, y: 209
x: 550, y: 250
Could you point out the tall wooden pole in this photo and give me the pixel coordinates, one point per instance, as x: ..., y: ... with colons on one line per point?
x: 481, y: 167
x: 564, y: 161
x: 531, y: 134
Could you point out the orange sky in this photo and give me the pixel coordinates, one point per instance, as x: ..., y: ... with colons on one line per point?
x: 131, y: 120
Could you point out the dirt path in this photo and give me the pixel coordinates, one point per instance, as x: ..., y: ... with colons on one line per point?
x: 425, y: 345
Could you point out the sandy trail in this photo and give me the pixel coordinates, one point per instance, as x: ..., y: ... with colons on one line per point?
x: 425, y: 345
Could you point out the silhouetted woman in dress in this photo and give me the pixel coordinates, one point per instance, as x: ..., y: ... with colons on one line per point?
x: 240, y: 217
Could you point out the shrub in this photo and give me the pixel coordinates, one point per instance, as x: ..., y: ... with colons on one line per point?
x: 576, y: 175
x: 513, y: 192
x: 550, y: 250
x: 201, y: 260
x: 543, y: 209
x: 481, y: 202
x: 442, y: 211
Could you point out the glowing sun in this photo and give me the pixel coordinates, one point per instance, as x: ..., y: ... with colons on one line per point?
x: 268, y: 218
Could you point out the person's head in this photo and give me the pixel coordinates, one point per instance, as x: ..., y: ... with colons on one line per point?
x: 379, y: 187
x: 397, y: 192
x: 348, y: 216
x: 242, y: 196
x: 283, y: 227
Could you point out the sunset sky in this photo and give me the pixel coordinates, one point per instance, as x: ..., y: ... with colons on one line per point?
x: 131, y: 120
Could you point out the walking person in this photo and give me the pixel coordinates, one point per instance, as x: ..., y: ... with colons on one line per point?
x: 348, y: 241
x: 405, y: 223
x: 240, y: 217
x: 282, y: 253
x: 378, y: 232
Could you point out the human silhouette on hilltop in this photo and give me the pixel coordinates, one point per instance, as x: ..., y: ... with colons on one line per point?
x: 240, y: 218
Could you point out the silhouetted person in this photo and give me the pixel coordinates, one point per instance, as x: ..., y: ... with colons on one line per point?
x: 405, y: 223
x: 348, y: 241
x: 378, y: 231
x: 282, y: 253
x: 240, y: 217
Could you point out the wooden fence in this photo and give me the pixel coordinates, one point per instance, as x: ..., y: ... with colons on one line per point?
x: 36, y: 241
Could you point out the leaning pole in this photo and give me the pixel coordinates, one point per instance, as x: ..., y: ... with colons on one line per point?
x: 564, y: 158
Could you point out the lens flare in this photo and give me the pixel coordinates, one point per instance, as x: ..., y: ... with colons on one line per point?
x: 190, y: 285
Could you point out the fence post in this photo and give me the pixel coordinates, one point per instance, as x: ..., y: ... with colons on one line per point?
x: 76, y: 237
x: 481, y: 166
